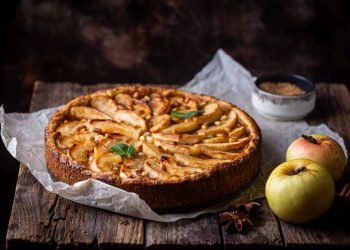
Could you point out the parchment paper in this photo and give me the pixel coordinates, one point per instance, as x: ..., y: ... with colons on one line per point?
x: 23, y: 136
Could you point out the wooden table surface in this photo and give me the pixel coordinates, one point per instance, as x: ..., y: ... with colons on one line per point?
x: 42, y: 220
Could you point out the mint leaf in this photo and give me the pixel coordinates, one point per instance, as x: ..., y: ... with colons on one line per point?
x: 123, y: 149
x: 187, y: 115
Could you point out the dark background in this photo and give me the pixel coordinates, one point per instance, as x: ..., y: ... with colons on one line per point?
x: 160, y: 42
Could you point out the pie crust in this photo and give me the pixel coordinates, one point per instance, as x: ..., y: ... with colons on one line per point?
x: 179, y: 163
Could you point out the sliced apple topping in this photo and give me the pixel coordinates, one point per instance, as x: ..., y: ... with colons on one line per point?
x: 141, y: 109
x: 81, y: 151
x: 133, y: 133
x: 154, y: 170
x: 237, y: 132
x: 212, y: 112
x: 181, y: 103
x: 227, y: 146
x: 125, y: 100
x: 138, y: 106
x: 180, y: 138
x: 104, y: 104
x: 160, y: 122
x: 223, y: 127
x: 172, y: 147
x: 87, y: 113
x: 192, y: 161
x: 131, y: 118
x: 71, y: 127
x: 105, y: 144
x: 183, y: 127
x: 131, y: 168
x: 80, y: 137
x: 159, y: 105
x: 112, y: 127
x: 217, y: 139
x: 173, y: 168
x: 108, y: 162
x: 216, y: 154
x: 150, y: 150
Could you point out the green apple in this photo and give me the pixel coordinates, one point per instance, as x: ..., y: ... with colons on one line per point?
x: 321, y: 149
x: 299, y: 191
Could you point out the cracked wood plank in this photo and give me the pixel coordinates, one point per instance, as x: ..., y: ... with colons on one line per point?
x: 332, y: 230
x: 41, y: 220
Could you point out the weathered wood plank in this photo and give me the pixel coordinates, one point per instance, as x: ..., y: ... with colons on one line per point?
x: 199, y: 233
x: 264, y: 234
x: 40, y: 219
x: 333, y: 229
x: 334, y: 103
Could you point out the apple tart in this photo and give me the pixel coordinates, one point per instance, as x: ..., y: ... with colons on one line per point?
x: 175, y: 149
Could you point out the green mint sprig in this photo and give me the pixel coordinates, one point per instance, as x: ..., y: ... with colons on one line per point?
x: 187, y: 115
x: 123, y: 149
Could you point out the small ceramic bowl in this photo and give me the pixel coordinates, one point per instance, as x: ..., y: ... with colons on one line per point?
x: 282, y: 107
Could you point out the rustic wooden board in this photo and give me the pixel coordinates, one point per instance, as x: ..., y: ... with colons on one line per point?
x: 199, y: 233
x: 333, y: 229
x: 40, y: 219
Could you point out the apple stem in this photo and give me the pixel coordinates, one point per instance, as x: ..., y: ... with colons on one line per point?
x: 296, y: 171
x: 310, y: 139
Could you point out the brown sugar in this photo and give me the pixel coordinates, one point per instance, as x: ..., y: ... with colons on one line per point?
x: 282, y: 88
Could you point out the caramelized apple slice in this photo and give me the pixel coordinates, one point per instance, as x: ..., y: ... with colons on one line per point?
x: 80, y: 137
x: 104, y: 145
x: 160, y: 122
x: 237, y: 132
x: 226, y: 125
x: 151, y: 167
x: 131, y: 168
x: 104, y: 104
x: 81, y: 151
x: 212, y: 112
x: 176, y: 148
x: 216, y: 154
x: 71, y: 127
x: 183, y: 127
x: 225, y: 106
x: 180, y: 138
x: 151, y: 150
x: 182, y: 104
x: 141, y: 108
x: 113, y: 127
x: 107, y: 161
x: 159, y: 104
x: 174, y: 169
x: 227, y: 146
x: 131, y: 118
x: 87, y: 113
x: 125, y: 100
x: 192, y: 161
x: 217, y: 139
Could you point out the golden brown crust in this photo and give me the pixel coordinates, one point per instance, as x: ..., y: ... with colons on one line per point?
x: 187, y: 191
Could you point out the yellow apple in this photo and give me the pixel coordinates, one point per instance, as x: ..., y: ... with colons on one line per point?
x: 321, y: 149
x: 299, y: 191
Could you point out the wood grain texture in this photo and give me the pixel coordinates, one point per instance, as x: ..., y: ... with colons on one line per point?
x: 264, y: 234
x: 332, y: 230
x: 40, y: 219
x: 199, y: 233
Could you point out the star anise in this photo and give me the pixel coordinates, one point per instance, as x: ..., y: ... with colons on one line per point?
x: 239, y: 216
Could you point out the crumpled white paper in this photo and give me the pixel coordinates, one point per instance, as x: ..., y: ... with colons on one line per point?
x: 23, y: 136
